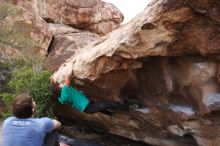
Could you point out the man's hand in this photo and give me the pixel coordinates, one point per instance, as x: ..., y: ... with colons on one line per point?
x: 57, y: 124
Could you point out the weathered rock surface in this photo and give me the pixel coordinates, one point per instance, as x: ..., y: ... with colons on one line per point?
x: 168, y: 91
x: 205, y: 130
x: 22, y: 31
x: 66, y: 42
x: 62, y: 29
x: 93, y: 15
x: 157, y: 31
x: 166, y: 62
x: 107, y: 19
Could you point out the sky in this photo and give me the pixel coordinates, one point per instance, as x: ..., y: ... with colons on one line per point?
x: 129, y: 8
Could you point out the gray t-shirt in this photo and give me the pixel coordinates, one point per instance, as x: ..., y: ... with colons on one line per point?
x: 26, y: 132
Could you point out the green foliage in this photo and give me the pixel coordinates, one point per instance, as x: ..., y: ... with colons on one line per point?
x: 35, y: 81
x: 7, y: 98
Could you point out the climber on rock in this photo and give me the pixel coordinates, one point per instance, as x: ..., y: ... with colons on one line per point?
x: 81, y: 103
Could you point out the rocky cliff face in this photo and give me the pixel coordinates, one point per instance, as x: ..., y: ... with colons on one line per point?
x: 165, y: 65
x: 21, y: 31
x: 66, y: 42
x: 93, y: 15
x: 22, y: 26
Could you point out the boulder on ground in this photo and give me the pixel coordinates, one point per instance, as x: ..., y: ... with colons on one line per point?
x: 165, y: 62
x: 94, y: 15
x: 21, y: 31
x: 67, y: 41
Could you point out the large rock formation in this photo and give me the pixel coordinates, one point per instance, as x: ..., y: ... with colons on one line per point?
x: 94, y: 15
x: 22, y: 31
x: 166, y: 62
x: 66, y: 42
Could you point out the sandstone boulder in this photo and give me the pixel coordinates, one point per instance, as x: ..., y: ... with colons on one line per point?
x: 107, y: 19
x: 22, y: 31
x: 167, y: 91
x: 164, y: 64
x: 94, y: 15
x: 66, y: 42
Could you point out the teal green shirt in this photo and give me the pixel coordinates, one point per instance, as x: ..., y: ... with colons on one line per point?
x: 73, y: 97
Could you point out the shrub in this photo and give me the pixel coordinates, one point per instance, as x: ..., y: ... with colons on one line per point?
x: 36, y: 82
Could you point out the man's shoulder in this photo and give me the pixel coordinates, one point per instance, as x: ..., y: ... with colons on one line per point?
x: 8, y: 120
x: 44, y: 120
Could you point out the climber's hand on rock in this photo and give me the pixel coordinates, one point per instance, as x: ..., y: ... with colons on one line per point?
x: 60, y: 85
